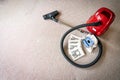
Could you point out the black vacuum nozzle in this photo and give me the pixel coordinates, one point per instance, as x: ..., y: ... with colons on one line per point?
x: 51, y: 16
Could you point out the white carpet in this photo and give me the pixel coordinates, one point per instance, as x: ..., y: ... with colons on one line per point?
x: 30, y: 46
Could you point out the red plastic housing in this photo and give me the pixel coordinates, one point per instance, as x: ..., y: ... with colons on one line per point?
x: 106, y: 16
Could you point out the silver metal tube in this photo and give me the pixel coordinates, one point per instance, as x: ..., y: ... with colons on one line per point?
x: 63, y: 23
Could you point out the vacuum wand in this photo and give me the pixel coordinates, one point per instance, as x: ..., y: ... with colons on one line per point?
x: 52, y: 16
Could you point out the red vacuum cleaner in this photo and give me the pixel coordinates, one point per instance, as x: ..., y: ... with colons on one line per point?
x: 105, y: 16
x: 97, y: 25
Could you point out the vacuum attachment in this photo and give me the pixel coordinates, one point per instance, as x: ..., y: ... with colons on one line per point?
x: 51, y: 16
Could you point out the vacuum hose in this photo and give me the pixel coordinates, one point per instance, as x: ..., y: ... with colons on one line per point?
x: 99, y: 45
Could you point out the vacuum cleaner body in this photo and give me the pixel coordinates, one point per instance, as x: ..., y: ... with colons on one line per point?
x: 105, y: 16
